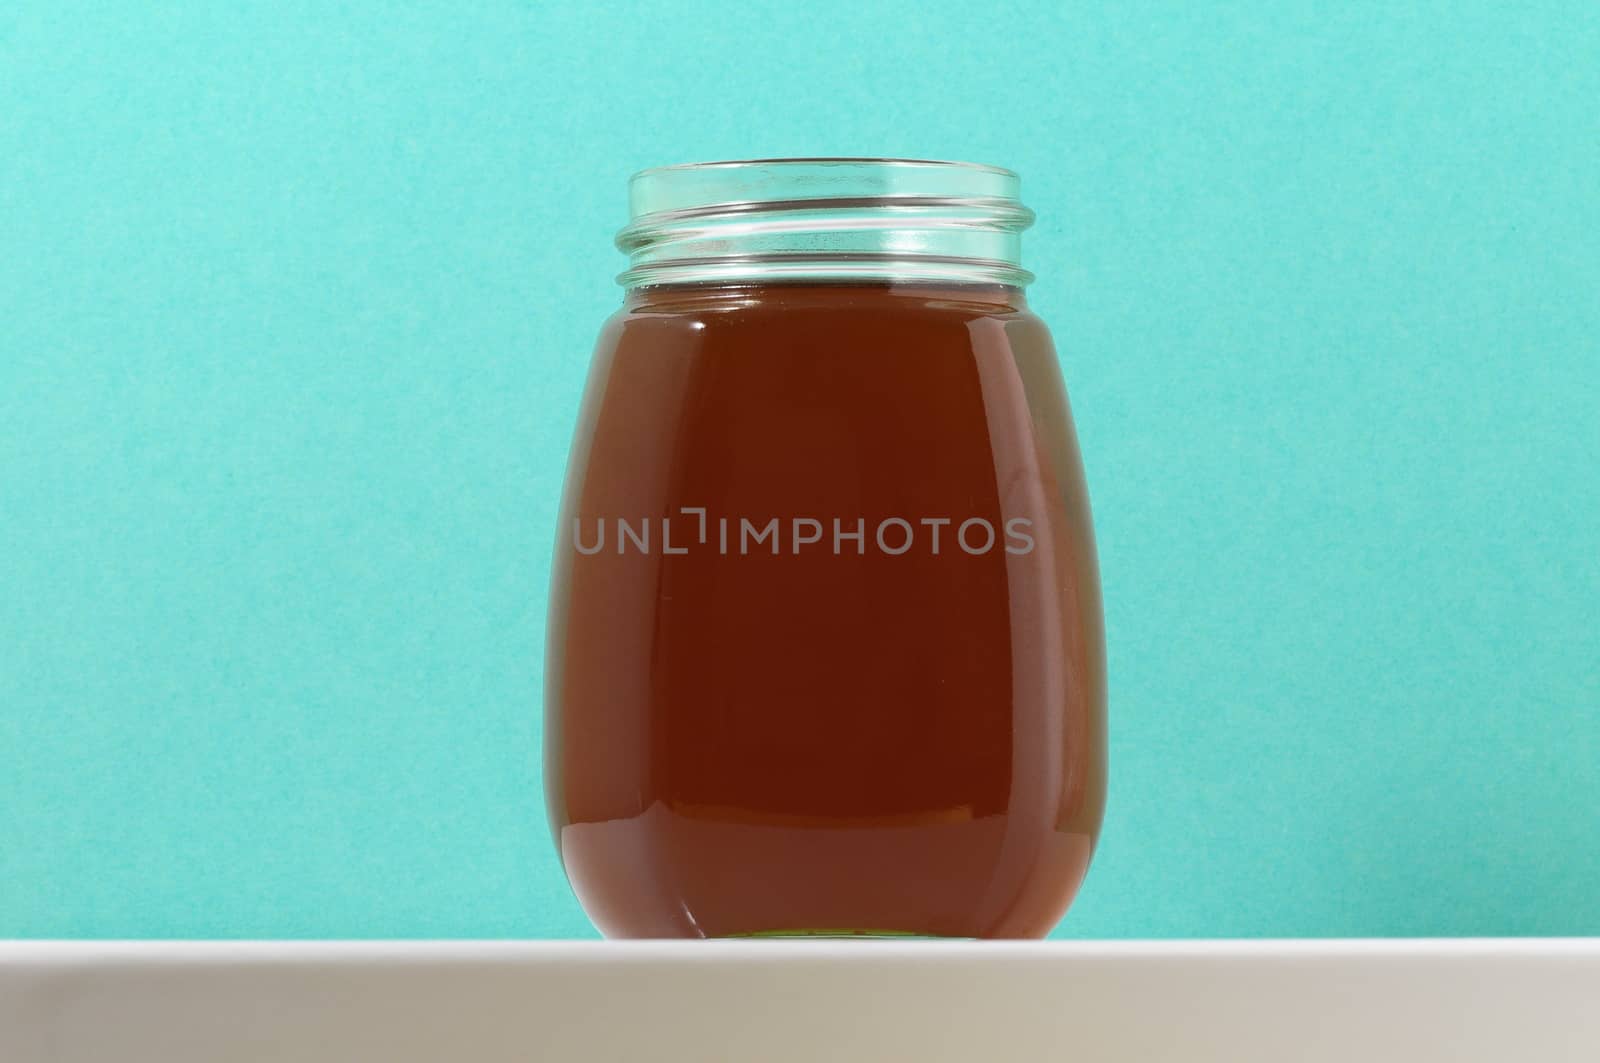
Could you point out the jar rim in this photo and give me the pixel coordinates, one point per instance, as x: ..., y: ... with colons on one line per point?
x: 823, y: 160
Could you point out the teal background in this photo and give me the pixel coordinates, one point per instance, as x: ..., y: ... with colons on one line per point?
x: 295, y: 305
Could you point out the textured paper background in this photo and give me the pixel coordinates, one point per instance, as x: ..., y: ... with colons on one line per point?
x: 295, y: 305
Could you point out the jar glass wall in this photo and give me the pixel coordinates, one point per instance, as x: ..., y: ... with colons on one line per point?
x: 825, y: 647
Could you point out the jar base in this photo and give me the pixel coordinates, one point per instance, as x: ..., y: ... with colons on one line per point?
x: 838, y: 934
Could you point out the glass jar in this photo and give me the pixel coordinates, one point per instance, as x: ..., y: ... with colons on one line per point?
x: 825, y: 646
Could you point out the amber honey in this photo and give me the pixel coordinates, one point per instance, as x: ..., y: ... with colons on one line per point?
x: 886, y: 715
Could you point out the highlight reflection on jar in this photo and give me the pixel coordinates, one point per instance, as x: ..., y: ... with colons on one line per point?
x: 826, y: 651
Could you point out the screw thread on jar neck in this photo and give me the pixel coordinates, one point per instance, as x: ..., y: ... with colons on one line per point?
x: 788, y: 220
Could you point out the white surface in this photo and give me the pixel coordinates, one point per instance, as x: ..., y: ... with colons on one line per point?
x: 1200, y: 1002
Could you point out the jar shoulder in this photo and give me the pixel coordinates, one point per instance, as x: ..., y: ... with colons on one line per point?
x: 842, y: 307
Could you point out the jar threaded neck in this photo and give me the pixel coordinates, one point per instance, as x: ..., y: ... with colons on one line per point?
x: 771, y: 220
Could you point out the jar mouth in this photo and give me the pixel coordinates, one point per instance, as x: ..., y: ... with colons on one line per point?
x: 875, y: 160
x: 824, y: 219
